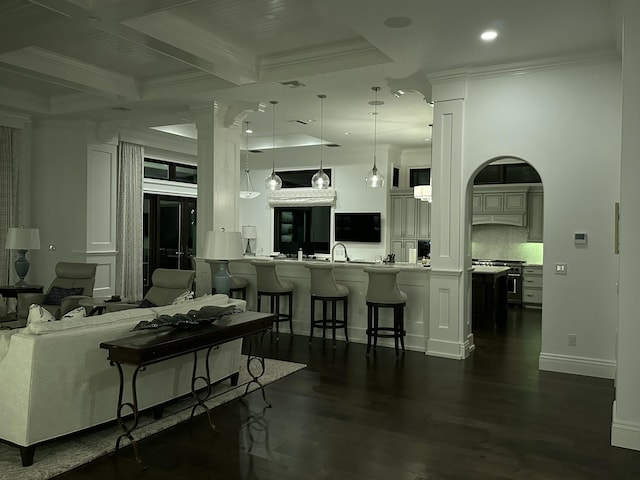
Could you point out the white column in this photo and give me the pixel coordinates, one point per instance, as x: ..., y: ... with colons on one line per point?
x: 218, y: 181
x: 449, y: 332
x: 625, y: 428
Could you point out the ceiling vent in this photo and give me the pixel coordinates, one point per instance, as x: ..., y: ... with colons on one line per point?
x: 299, y: 122
x: 255, y: 151
x: 332, y: 145
x: 293, y: 84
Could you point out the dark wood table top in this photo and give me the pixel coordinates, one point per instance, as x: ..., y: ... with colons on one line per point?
x: 146, y: 347
x: 13, y: 290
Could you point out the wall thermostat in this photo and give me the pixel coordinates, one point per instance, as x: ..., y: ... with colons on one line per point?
x: 580, y: 238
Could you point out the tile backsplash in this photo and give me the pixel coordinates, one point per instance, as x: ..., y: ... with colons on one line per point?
x: 504, y: 242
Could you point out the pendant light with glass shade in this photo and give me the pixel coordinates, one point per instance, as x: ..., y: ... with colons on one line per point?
x: 374, y: 178
x: 321, y: 180
x: 273, y: 181
x: 249, y: 192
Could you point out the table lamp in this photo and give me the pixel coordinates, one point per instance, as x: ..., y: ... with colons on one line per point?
x: 249, y: 232
x: 223, y: 246
x: 22, y: 239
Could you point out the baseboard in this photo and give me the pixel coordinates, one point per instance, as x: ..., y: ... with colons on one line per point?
x: 590, y: 367
x: 625, y: 435
x: 454, y: 350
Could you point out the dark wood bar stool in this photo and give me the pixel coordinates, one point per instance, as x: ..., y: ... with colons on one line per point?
x: 383, y: 292
x: 269, y: 284
x: 325, y: 290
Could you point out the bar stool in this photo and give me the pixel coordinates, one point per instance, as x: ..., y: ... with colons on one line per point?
x: 383, y: 292
x: 325, y: 289
x: 269, y: 284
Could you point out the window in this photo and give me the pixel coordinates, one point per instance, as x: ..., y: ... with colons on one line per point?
x: 299, y: 178
x: 419, y: 176
x: 308, y: 228
x: 174, y: 172
x: 396, y: 177
x: 507, y: 173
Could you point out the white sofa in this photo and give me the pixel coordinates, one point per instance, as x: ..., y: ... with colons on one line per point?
x: 55, y: 379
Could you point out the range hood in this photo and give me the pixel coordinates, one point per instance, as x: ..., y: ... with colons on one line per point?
x: 500, y: 204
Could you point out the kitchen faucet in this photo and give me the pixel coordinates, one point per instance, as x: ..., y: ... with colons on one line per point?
x: 333, y: 250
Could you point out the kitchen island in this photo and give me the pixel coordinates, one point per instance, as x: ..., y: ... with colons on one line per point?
x: 413, y: 279
x: 489, y: 297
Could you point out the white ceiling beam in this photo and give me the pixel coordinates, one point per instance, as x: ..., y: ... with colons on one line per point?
x: 164, y: 38
x: 73, y: 73
x: 231, y: 63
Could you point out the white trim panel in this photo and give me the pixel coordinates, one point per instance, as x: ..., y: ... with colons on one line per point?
x: 590, y: 367
x: 624, y: 434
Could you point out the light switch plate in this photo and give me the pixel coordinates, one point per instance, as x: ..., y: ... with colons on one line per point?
x: 561, y: 268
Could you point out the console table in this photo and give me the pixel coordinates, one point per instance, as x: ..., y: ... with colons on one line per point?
x: 14, y: 290
x: 155, y: 346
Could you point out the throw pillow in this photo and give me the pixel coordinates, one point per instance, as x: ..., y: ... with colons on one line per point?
x: 39, y: 314
x: 183, y: 297
x: 56, y: 294
x: 77, y: 312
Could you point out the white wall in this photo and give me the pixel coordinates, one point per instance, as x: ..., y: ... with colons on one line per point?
x: 58, y: 195
x: 567, y: 124
x: 349, y: 167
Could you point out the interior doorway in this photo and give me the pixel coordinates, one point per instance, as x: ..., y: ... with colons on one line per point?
x: 506, y: 232
x: 169, y: 233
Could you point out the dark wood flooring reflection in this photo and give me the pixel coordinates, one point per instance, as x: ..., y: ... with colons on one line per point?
x: 352, y: 417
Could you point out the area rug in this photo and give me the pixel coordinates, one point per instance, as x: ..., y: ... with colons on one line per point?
x: 59, y: 456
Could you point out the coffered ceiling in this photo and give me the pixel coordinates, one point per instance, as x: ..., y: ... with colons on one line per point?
x: 151, y: 62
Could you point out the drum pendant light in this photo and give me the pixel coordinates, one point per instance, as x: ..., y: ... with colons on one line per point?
x: 321, y: 180
x: 374, y: 178
x: 273, y: 181
x: 247, y: 191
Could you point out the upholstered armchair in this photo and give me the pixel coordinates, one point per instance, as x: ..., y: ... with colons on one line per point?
x: 166, y: 285
x: 73, y: 281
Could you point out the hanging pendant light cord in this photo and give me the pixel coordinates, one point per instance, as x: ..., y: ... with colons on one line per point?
x: 273, y: 139
x: 375, y: 127
x: 321, y: 97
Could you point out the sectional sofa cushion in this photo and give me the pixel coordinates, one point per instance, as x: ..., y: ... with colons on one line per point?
x: 78, y: 312
x: 183, y: 297
x: 123, y: 316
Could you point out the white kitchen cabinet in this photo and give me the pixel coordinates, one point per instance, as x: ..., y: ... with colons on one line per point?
x: 535, y: 214
x: 501, y: 204
x: 410, y: 220
x: 532, y: 286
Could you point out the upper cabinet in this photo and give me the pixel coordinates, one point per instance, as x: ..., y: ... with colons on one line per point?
x: 410, y: 220
x: 500, y: 204
x: 535, y: 214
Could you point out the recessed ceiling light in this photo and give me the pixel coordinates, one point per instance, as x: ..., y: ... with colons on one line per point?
x: 489, y: 35
x: 269, y: 16
x: 397, y: 22
x: 248, y: 130
x: 347, y: 133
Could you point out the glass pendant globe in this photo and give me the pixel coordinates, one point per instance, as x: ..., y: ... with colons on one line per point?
x: 320, y: 180
x: 374, y: 178
x: 273, y: 181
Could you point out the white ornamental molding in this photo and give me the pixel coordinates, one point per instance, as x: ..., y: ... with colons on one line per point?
x: 302, y: 196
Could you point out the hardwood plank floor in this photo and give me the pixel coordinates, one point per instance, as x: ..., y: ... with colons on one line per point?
x: 355, y: 417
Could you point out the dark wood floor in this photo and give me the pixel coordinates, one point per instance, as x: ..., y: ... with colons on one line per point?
x: 352, y: 417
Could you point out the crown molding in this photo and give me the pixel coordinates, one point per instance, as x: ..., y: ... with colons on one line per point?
x: 518, y: 68
x: 14, y: 120
x: 352, y: 53
x: 23, y: 101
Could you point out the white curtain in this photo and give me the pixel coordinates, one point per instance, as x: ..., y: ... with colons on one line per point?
x: 129, y: 282
x: 9, y: 155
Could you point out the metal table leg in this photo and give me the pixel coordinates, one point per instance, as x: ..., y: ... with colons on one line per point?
x: 133, y: 406
x: 255, y: 367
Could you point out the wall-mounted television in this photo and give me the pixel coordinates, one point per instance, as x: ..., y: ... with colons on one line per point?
x: 358, y: 227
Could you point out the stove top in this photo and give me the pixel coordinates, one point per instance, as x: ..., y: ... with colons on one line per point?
x: 497, y: 263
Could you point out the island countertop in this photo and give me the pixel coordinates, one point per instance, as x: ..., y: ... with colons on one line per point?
x: 357, y: 264
x: 413, y: 279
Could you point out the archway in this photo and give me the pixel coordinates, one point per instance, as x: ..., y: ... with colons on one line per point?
x: 505, y: 195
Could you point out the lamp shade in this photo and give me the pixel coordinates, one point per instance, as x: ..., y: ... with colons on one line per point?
x: 249, y: 232
x: 223, y: 245
x: 423, y: 192
x: 23, y: 239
